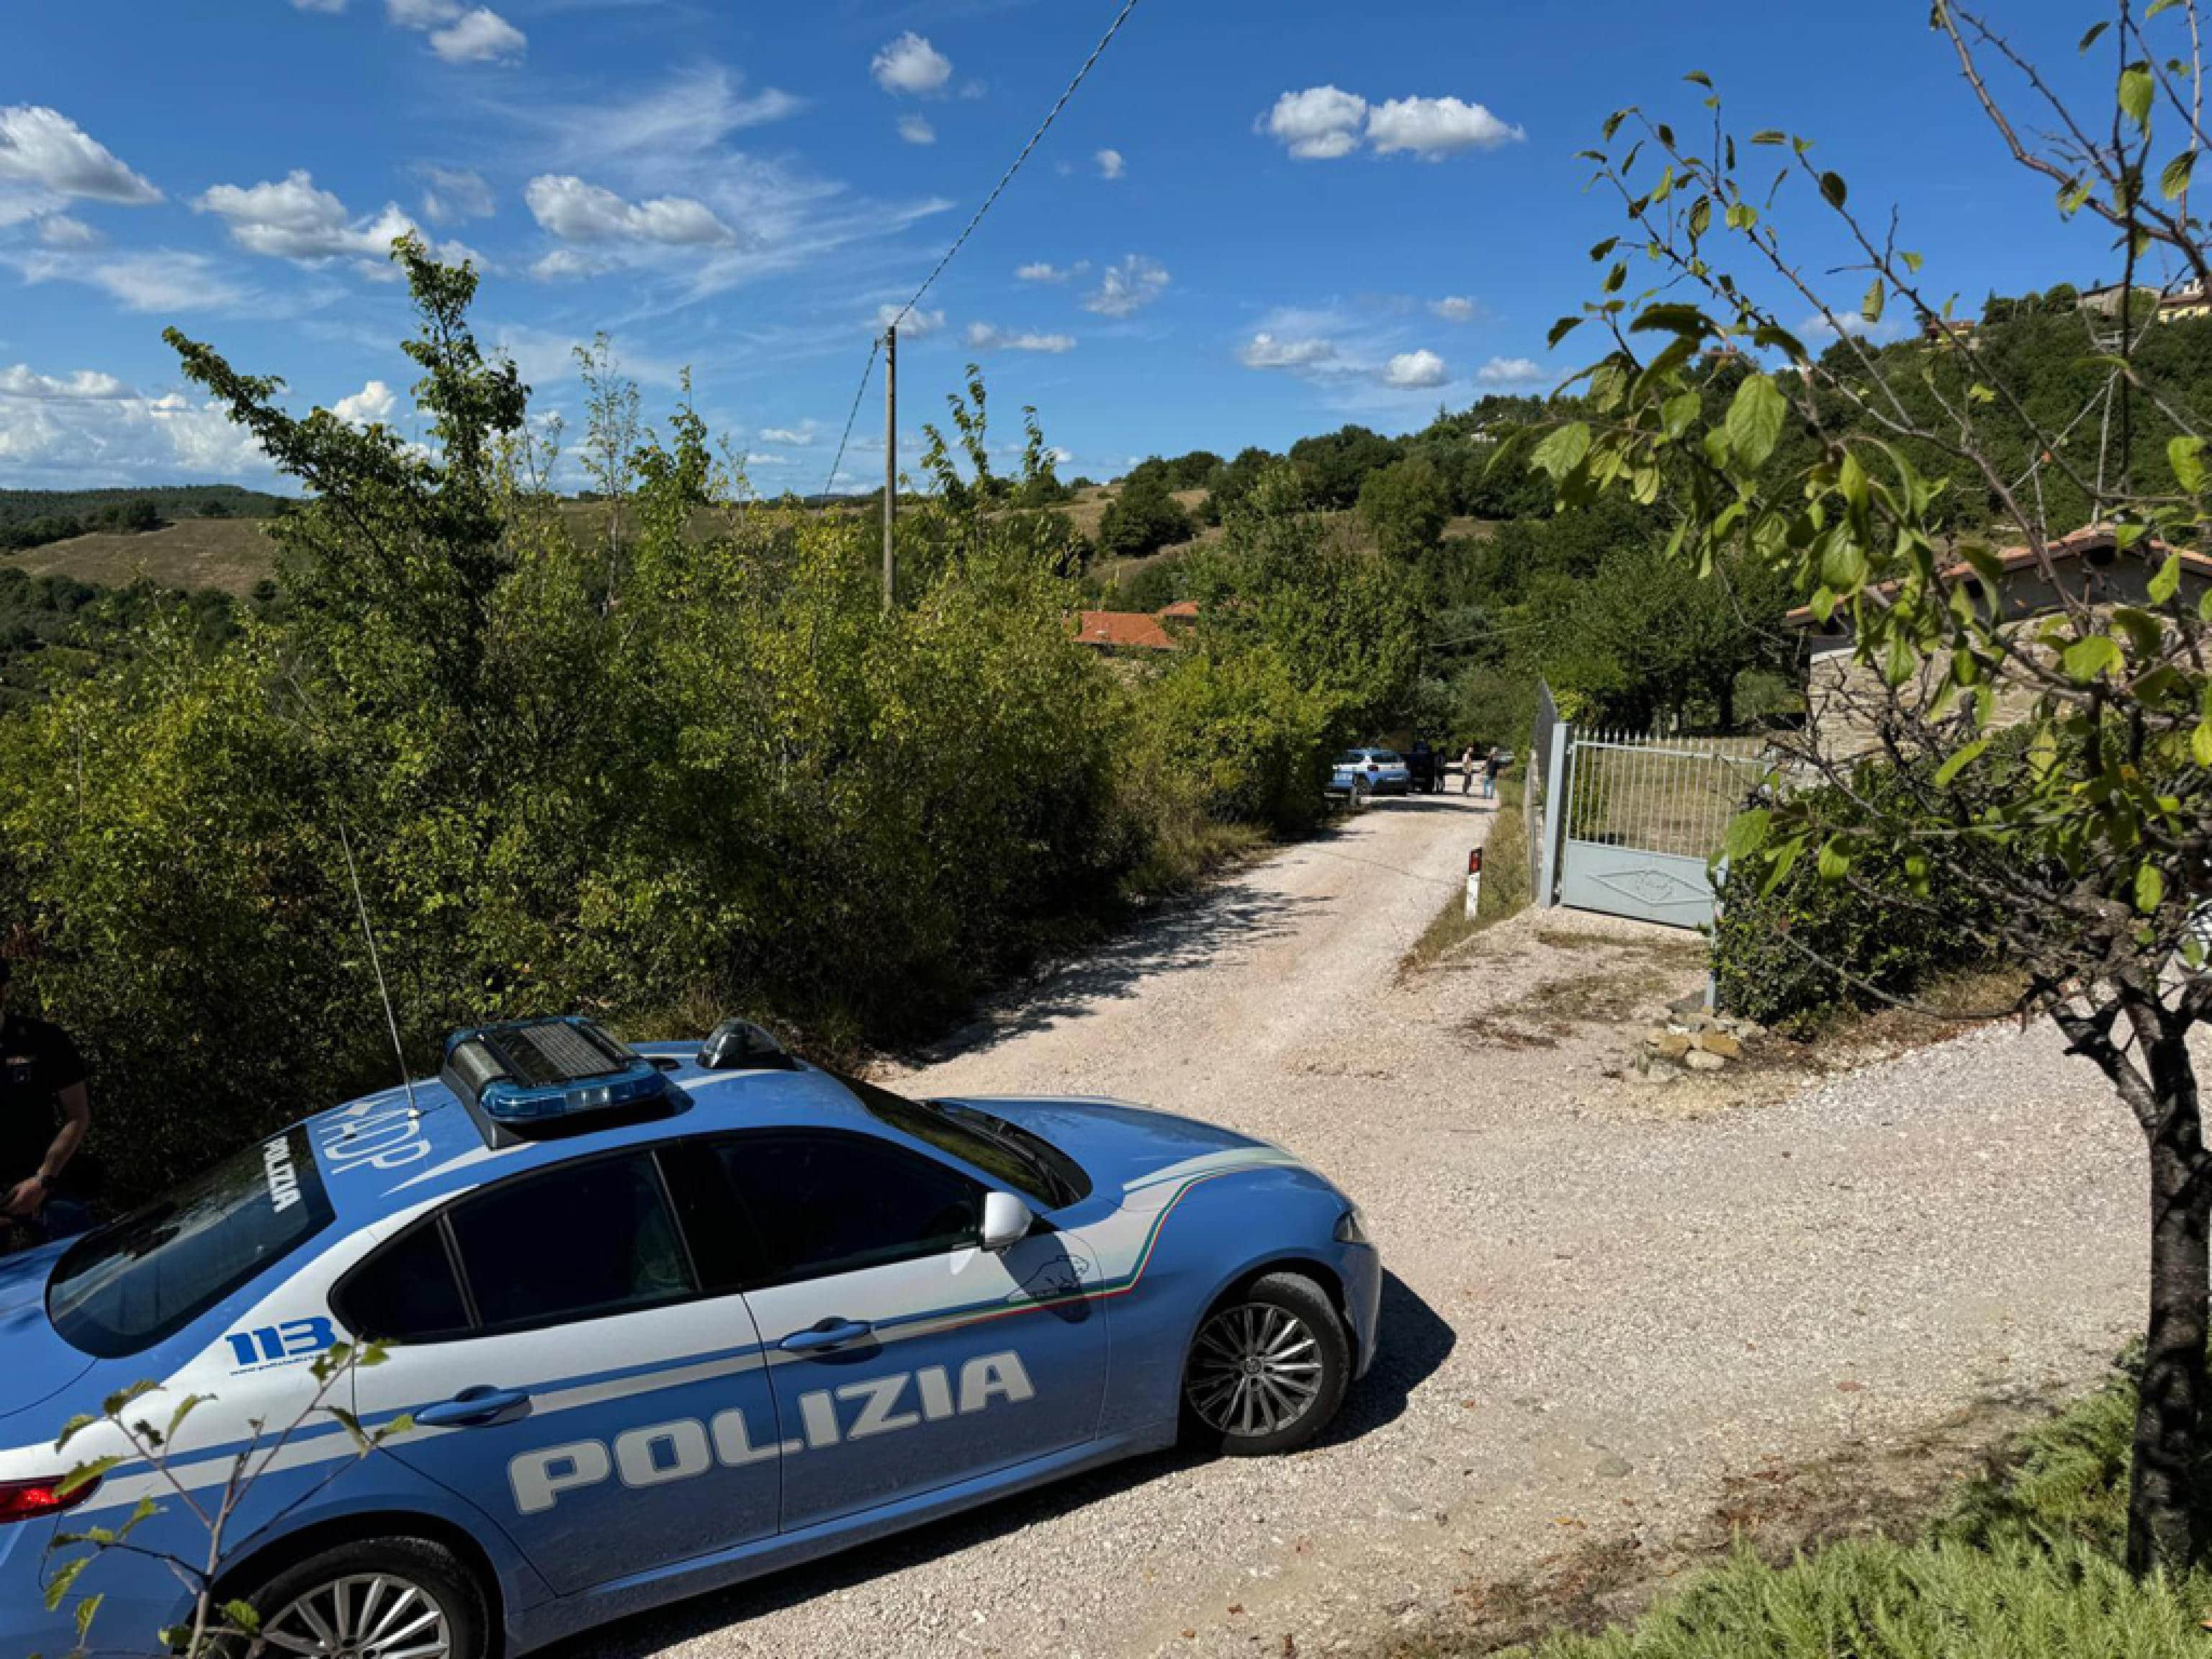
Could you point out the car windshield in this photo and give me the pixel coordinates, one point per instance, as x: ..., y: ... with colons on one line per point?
x: 1387, y: 757
x: 1026, y: 1162
x: 1353, y: 759
x: 128, y: 1286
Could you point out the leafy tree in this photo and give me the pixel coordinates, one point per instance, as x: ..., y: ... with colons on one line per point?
x: 2087, y: 834
x: 1331, y: 469
x: 1404, y: 507
x: 1141, y: 519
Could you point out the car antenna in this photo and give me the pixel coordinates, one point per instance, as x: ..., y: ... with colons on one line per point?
x: 376, y: 962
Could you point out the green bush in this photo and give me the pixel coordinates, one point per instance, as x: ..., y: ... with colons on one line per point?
x: 2027, y: 1563
x: 1772, y: 951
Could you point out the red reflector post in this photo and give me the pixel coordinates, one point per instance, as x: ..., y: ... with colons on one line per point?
x: 1474, y: 861
x: 27, y: 1500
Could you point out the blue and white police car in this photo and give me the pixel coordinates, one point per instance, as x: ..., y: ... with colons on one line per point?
x: 653, y: 1322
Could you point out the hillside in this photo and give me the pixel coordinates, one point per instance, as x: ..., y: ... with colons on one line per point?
x: 226, y: 554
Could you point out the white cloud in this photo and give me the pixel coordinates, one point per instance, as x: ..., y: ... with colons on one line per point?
x: 367, y: 407
x: 1325, y: 123
x: 1043, y: 270
x: 1318, y: 124
x: 156, y: 280
x: 1413, y: 370
x: 482, y: 37
x: 797, y: 437
x: 1848, y: 321
x: 1434, y: 128
x: 577, y: 212
x: 983, y: 336
x: 60, y: 230
x: 910, y: 65
x: 23, y: 381
x: 916, y: 130
x: 913, y: 325
x: 1456, y: 308
x: 329, y: 7
x: 44, y: 148
x: 458, y: 33
x: 101, y: 439
x: 1266, y: 351
x: 1109, y: 163
x: 688, y: 116
x: 1511, y: 371
x: 455, y: 195
x: 291, y: 219
x: 1128, y: 287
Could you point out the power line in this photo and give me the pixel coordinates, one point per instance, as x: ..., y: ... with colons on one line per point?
x: 1036, y: 138
x: 859, y: 391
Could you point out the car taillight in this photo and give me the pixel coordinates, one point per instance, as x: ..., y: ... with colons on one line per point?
x: 27, y: 1500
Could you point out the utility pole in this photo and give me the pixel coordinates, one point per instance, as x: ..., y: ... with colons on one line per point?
x: 891, y: 455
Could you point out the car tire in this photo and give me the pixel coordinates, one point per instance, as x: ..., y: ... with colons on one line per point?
x: 382, y: 1587
x: 1267, y: 1370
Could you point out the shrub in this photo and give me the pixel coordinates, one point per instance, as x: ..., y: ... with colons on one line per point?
x: 1890, y: 932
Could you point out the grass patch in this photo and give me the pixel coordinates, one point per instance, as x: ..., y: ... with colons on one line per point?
x: 2025, y: 1561
x: 1507, y: 882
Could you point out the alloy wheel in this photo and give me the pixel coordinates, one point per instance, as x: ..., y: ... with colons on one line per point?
x: 376, y: 1616
x: 1256, y: 1370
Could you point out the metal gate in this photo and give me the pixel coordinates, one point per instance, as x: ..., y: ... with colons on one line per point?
x: 1631, y: 824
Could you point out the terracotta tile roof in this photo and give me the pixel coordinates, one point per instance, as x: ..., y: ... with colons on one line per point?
x: 1181, y: 610
x: 2079, y: 543
x: 1123, y: 630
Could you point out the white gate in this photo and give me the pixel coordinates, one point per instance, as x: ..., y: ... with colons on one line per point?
x: 1631, y: 824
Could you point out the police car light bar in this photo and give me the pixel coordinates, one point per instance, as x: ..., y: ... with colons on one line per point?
x: 542, y: 1073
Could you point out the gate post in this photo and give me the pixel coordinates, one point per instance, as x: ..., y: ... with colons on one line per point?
x: 1555, y: 817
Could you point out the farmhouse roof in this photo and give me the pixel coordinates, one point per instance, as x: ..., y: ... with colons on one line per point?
x: 2094, y: 543
x: 1123, y: 630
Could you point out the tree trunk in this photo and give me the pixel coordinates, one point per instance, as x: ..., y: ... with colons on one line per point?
x: 2166, y: 1531
x: 1724, y: 696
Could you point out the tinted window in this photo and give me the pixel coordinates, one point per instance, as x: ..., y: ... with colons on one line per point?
x: 591, y: 1239
x: 834, y: 1204
x: 1012, y: 1156
x: 148, y: 1276
x: 406, y: 1293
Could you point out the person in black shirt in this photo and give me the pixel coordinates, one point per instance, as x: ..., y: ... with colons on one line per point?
x: 45, y: 1113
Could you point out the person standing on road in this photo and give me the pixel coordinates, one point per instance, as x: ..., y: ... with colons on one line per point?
x: 45, y: 1111
x: 1491, y: 764
x: 1467, y: 771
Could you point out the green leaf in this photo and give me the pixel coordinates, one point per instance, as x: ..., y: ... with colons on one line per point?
x: 87, y: 1611
x: 242, y: 1617
x: 1686, y: 320
x: 2185, y: 455
x: 2135, y: 89
x: 1771, y: 136
x: 1561, y: 329
x: 2150, y: 887
x: 2096, y: 30
x: 1834, y: 862
x: 1959, y: 761
x: 2200, y: 744
x: 84, y: 1474
x: 57, y: 1587
x: 2085, y: 660
x: 1563, y: 449
x: 1754, y: 420
x: 1870, y: 308
x: 1680, y: 412
x: 2175, y: 180
x: 1785, y: 859
x: 1832, y: 189
x: 1747, y: 833
x: 1701, y: 78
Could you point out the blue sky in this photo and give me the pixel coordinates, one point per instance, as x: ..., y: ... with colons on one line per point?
x: 1259, y: 219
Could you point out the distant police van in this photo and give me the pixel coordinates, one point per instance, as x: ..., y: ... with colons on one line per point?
x: 653, y: 1322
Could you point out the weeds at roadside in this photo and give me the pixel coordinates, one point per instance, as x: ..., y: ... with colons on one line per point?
x: 1506, y: 886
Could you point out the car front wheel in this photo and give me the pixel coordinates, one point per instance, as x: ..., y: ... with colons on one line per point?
x: 1269, y: 1367
x: 382, y: 1598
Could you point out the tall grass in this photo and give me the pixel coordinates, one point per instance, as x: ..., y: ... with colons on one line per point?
x: 2026, y: 1563
x: 1507, y: 883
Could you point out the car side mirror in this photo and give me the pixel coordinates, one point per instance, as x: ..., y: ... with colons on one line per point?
x: 1006, y: 1221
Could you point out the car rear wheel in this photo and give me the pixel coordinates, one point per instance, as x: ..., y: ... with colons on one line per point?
x: 383, y: 1598
x: 1268, y: 1369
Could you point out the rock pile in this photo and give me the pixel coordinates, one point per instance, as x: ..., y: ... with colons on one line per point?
x: 1692, y: 1040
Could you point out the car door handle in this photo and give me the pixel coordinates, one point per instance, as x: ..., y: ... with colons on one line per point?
x: 826, y: 1335
x: 476, y: 1408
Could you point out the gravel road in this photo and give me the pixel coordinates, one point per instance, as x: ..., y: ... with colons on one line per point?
x: 1601, y: 1305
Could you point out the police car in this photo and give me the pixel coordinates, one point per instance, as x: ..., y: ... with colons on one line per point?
x: 652, y: 1322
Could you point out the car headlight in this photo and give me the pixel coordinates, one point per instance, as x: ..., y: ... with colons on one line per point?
x: 1352, y: 1227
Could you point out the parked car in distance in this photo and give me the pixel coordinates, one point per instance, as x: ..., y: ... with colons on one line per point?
x: 653, y: 1321
x: 1370, y: 771
x: 1424, y: 767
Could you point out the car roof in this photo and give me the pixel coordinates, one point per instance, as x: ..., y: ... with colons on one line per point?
x: 378, y: 1157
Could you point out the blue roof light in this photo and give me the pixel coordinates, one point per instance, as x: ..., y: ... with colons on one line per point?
x: 538, y: 1073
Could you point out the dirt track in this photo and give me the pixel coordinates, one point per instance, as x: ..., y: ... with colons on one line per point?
x: 1605, y: 1304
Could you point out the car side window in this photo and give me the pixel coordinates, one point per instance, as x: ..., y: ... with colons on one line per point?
x: 406, y: 1292
x: 824, y: 1204
x: 576, y: 1242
